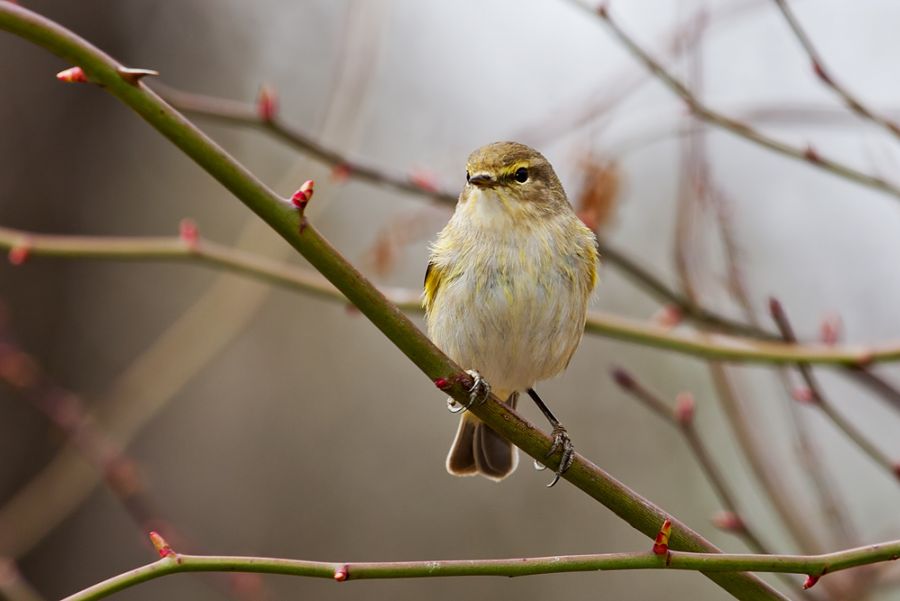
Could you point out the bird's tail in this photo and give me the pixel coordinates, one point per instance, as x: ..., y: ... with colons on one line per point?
x: 479, y: 450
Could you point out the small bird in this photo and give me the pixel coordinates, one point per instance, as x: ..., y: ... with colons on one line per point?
x: 506, y: 293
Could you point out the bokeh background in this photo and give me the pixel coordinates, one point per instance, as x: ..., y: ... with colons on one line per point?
x: 263, y: 421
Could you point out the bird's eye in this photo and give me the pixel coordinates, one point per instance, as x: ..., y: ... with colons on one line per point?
x: 468, y: 177
x: 521, y: 175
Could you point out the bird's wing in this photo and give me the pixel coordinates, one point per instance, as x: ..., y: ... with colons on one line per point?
x: 434, y: 275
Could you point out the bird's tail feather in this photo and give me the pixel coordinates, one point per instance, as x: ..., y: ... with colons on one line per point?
x: 477, y: 449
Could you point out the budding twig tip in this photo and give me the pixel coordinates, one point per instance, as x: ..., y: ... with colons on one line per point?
x: 623, y: 378
x: 160, y: 544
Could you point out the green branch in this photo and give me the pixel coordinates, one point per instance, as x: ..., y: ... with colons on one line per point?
x: 103, y: 70
x: 811, y: 565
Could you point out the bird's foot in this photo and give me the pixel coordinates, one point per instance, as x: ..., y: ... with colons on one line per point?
x: 478, y: 393
x: 563, y: 444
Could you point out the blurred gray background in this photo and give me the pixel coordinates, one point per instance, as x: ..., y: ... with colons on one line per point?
x: 268, y: 422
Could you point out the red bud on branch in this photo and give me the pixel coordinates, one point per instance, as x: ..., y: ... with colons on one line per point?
x: 661, y: 545
x: 341, y: 172
x: 19, y: 253
x: 72, y: 75
x: 341, y: 574
x: 423, y: 180
x: 267, y: 103
x: 160, y: 544
x: 729, y: 521
x: 810, y: 582
x: 301, y: 197
x: 188, y: 232
x: 684, y: 408
x: 669, y: 316
x: 832, y: 329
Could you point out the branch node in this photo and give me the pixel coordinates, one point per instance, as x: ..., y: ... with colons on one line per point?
x: 133, y: 76
x: 342, y: 573
x: 811, y: 155
x: 821, y: 73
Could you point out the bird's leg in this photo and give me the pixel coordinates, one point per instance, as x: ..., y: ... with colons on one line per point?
x: 561, y: 440
x: 478, y: 393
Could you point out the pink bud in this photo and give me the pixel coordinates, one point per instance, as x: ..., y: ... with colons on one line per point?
x: 831, y: 329
x: 341, y: 172
x: 728, y: 521
x: 19, y: 254
x: 810, y: 582
x: 684, y: 408
x: 302, y: 196
x: 802, y: 394
x: 424, y: 180
x: 188, y: 232
x: 72, y: 75
x: 341, y: 574
x: 160, y: 544
x: 267, y: 103
x: 668, y: 316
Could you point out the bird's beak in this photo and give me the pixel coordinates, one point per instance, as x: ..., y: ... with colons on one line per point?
x: 482, y: 180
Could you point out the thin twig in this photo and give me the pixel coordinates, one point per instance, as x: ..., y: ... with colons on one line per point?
x: 818, y: 398
x: 850, y: 99
x: 723, y: 348
x: 685, y: 425
x: 736, y: 127
x: 813, y: 565
x: 121, y: 473
x: 244, y: 114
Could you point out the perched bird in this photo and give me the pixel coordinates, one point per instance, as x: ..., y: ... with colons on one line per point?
x: 506, y: 292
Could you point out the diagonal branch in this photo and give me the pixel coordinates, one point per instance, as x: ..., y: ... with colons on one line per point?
x: 818, y: 398
x: 736, y: 127
x: 850, y: 99
x: 102, y: 69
